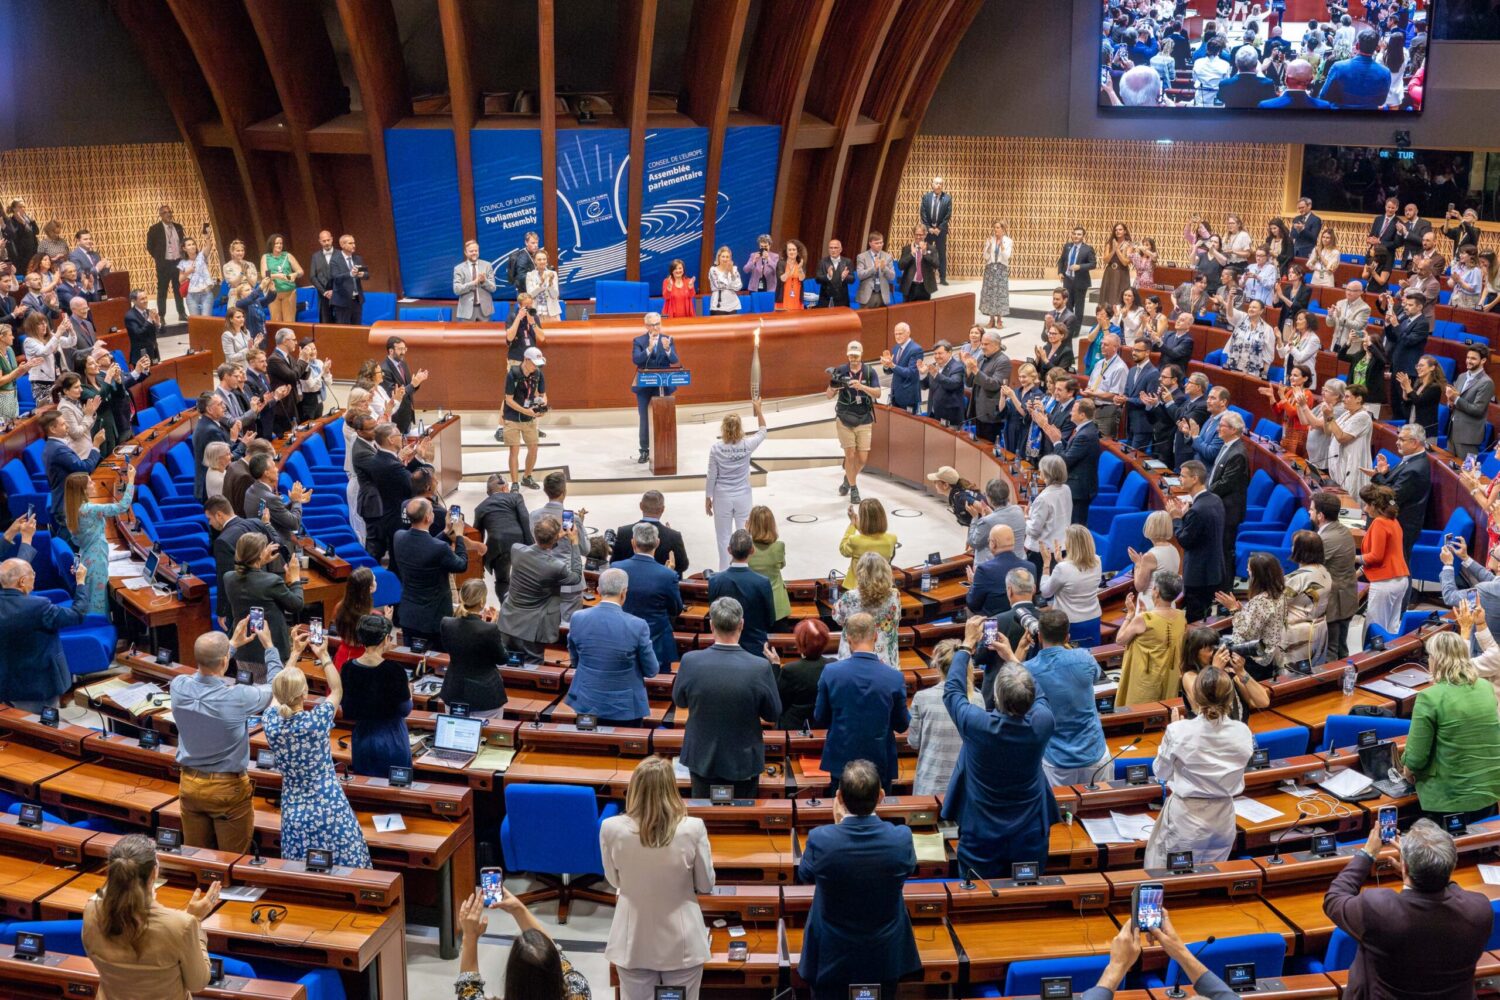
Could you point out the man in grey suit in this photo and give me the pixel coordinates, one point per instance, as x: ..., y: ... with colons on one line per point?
x: 987, y: 374
x: 286, y: 519
x: 877, y: 273
x: 531, y: 614
x: 320, y: 273
x: 555, y: 486
x: 1126, y: 948
x: 727, y: 692
x: 1349, y: 316
x: 474, y: 284
x: 1339, y: 551
x: 1469, y: 397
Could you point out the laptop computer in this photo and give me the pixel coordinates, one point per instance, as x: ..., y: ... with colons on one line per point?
x: 456, y: 740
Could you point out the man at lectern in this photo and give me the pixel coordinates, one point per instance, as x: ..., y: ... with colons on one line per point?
x: 652, y: 349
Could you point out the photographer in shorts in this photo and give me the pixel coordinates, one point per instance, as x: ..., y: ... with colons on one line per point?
x: 525, y: 400
x: 854, y: 387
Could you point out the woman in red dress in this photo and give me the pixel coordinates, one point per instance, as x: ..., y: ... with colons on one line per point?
x: 793, y: 270
x: 359, y: 600
x: 678, y: 292
x: 1285, y: 399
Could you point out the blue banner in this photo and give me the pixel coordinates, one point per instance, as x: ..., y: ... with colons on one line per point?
x: 507, y: 194
x: 422, y: 166
x: 747, y: 187
x: 672, y: 202
x: 592, y: 167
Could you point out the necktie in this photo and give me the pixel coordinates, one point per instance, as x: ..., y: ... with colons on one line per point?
x: 918, y: 272
x: 1073, y: 255
x: 473, y: 271
x: 1034, y: 439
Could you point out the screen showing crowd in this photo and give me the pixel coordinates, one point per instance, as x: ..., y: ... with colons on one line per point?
x: 1287, y: 55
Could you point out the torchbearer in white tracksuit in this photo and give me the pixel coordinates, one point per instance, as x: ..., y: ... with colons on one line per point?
x: 727, y: 495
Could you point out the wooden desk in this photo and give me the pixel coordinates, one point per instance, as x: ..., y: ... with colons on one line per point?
x: 62, y: 844
x: 1196, y: 918
x: 67, y: 901
x: 320, y: 937
x: 1322, y: 812
x: 754, y: 857
x: 24, y: 883
x: 103, y: 791
x: 994, y: 940
x: 1309, y: 987
x: 75, y: 976
x: 1312, y: 710
x: 761, y: 970
x: 23, y: 767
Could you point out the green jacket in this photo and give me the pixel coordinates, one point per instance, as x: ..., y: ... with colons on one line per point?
x: 768, y: 561
x: 1454, y: 747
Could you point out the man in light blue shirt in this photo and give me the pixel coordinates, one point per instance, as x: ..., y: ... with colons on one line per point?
x: 1067, y: 678
x: 1483, y: 581
x: 612, y: 656
x: 213, y: 737
x: 1206, y: 440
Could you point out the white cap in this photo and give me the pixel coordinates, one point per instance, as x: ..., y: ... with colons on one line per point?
x: 855, y: 349
x: 534, y: 355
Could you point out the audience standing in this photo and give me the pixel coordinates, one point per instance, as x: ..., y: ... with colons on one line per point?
x: 750, y: 591
x: 377, y: 701
x: 612, y: 656
x: 861, y: 702
x: 476, y: 651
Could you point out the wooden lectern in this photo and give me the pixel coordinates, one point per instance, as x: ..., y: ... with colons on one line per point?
x: 663, y: 410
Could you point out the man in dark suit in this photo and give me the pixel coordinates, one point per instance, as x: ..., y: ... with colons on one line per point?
x: 935, y: 214
x: 320, y: 273
x: 1412, y: 229
x: 34, y: 672
x: 347, y: 276
x: 285, y: 517
x: 1297, y: 97
x: 503, y: 521
x: 943, y: 377
x: 285, y: 368
x: 670, y: 551
x: 1247, y: 87
x: 654, y: 596
x: 142, y: 324
x: 522, y: 260
x: 858, y: 930
x: 1305, y: 225
x: 531, y: 614
x: 1160, y: 410
x: 1405, y: 342
x: 399, y: 373
x: 1080, y: 450
x: 651, y: 350
x: 1421, y: 941
x: 728, y: 692
x: 1176, y: 345
x: 751, y: 590
x: 1074, y: 264
x: 207, y: 429
x: 900, y: 363
x: 1384, y: 228
x: 987, y: 591
x: 1143, y: 378
x: 388, y: 471
x: 919, y: 268
x: 164, y: 244
x: 258, y: 384
x: 1229, y: 480
x: 1200, y: 532
x: 861, y: 702
x: 834, y: 276
x: 1188, y: 409
x: 425, y: 565
x: 229, y: 529
x: 1411, y: 479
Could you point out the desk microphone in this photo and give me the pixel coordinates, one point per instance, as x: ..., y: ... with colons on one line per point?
x: 1176, y: 990
x: 1093, y: 784
x: 256, y: 861
x: 973, y: 876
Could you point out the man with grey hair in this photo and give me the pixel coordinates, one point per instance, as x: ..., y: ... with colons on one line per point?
x: 531, y: 614
x: 1106, y: 383
x: 995, y: 508
x: 1021, y: 620
x: 1423, y: 941
x: 1349, y: 316
x: 1411, y: 479
x: 425, y: 563
x: 285, y: 368
x: 652, y: 350
x: 670, y: 550
x: 728, y: 692
x: 34, y: 671
x: 612, y: 656
x: 987, y: 375
x: 1140, y: 87
x: 503, y: 521
x: 1247, y: 88
x: 1229, y: 480
x: 653, y: 595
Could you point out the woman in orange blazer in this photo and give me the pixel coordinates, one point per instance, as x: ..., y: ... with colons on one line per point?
x: 1384, y: 558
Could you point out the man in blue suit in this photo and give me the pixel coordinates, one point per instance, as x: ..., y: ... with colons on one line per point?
x: 654, y: 596
x: 60, y: 461
x: 750, y: 589
x: 1299, y: 78
x: 1205, y: 438
x: 987, y: 594
x: 943, y: 378
x: 425, y: 563
x: 861, y: 702
x: 858, y: 930
x: 1358, y: 82
x: 611, y: 652
x: 652, y: 349
x: 1405, y: 340
x: 33, y: 670
x: 1200, y: 532
x: 1143, y: 377
x: 900, y: 362
x: 1080, y: 449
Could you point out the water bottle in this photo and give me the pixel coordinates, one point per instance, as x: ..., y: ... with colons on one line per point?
x: 926, y: 580
x: 1350, y: 677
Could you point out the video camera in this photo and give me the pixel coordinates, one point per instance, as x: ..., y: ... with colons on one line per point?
x: 838, y: 379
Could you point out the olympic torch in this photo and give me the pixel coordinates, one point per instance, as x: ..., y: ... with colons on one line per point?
x: 755, y: 365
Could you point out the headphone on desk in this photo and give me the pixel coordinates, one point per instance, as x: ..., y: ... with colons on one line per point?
x: 268, y: 914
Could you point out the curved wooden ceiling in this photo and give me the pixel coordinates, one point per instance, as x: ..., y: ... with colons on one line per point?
x: 256, y: 90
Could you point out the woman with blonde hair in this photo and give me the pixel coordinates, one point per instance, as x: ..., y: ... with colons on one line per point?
x: 139, y: 947
x: 315, y: 812
x: 867, y: 533
x: 658, y: 857
x: 874, y: 594
x: 769, y: 556
x: 1453, y: 748
x: 86, y: 521
x: 1326, y: 258
x: 476, y: 652
x: 726, y: 494
x: 1161, y: 556
x: 1071, y: 582
x: 237, y: 271
x: 724, y: 284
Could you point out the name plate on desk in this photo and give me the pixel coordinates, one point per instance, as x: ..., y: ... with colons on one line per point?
x: 672, y: 379
x: 337, y: 871
x: 416, y: 786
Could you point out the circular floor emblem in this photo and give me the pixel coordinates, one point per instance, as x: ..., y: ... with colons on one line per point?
x: 905, y: 512
x: 802, y: 518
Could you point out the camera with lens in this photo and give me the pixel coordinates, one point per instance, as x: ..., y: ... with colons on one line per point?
x: 1251, y: 650
x: 838, y: 379
x: 540, y: 408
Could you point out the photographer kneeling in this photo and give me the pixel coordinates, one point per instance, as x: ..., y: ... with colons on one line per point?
x: 525, y: 400
x: 1203, y: 649
x: 854, y: 387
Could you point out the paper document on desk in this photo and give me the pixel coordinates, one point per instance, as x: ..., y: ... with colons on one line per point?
x: 1346, y: 783
x: 679, y: 770
x: 1102, y: 830
x: 930, y: 847
x: 1254, y: 811
x: 1490, y: 874
x: 242, y: 893
x: 103, y: 689
x: 494, y: 759
x: 132, y: 695
x: 1133, y: 826
x: 388, y: 822
x: 1388, y: 688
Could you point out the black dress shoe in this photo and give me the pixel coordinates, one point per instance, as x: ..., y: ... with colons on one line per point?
x: 643, y: 458
x: 844, y: 488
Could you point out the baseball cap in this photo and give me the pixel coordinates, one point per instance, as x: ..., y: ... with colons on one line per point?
x: 947, y: 474
x: 534, y: 355
x: 855, y: 349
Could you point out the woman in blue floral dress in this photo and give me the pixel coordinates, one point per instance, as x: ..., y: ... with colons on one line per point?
x: 315, y: 812
x: 86, y: 522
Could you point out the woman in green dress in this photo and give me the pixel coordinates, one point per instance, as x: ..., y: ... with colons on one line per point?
x: 279, y: 265
x: 769, y: 557
x: 11, y: 373
x: 1453, y: 748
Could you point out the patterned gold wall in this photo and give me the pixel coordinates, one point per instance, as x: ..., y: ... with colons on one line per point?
x: 1042, y: 187
x: 112, y: 190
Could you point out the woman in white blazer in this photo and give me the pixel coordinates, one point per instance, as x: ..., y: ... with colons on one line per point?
x: 658, y: 858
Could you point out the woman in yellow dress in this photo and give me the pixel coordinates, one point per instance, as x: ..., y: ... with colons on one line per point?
x: 1152, y: 666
